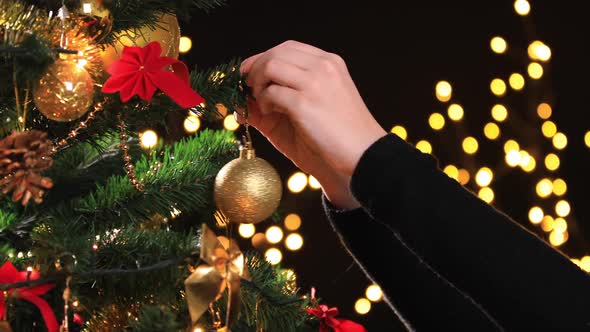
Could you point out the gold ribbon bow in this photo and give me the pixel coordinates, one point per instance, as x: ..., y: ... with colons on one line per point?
x: 224, y: 268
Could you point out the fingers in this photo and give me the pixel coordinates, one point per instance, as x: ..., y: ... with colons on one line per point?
x: 246, y: 65
x: 267, y: 70
x: 278, y: 98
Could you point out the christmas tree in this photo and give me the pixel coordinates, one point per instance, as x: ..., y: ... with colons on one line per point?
x: 104, y: 226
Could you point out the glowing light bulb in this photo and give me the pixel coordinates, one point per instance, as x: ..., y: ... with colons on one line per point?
x: 292, y: 222
x: 464, y: 176
x: 498, y: 87
x: 148, y: 139
x: 552, y: 162
x: 491, y: 131
x: 522, y: 7
x: 455, y: 112
x: 559, y: 187
x: 557, y: 238
x: 484, y: 177
x: 452, y: 172
x: 498, y: 45
x: 374, y: 293
x: 562, y: 208
x: 247, y: 230
x: 424, y: 146
x: 185, y: 44
x: 527, y: 162
x: 314, y: 183
x: 560, y: 225
x: 547, y: 223
x: 274, y: 234
x: 297, y: 182
x: 274, y: 256
x: 544, y: 111
x: 516, y: 81
x: 230, y: 123
x: 192, y: 124
x: 499, y: 112
x: 362, y: 306
x: 537, y: 50
x: 585, y: 263
x: 470, y: 145
x: 69, y: 86
x: 535, y: 70
x: 400, y: 131
x: 536, y: 215
x: 544, y: 188
x: 444, y: 91
x: 436, y: 121
x: 560, y: 141
x: 549, y: 129
x: 294, y: 242
x: 486, y: 194
x: 513, y: 158
x: 587, y: 139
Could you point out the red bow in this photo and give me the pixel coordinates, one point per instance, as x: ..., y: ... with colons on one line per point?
x: 328, y: 320
x: 141, y: 71
x: 8, y: 275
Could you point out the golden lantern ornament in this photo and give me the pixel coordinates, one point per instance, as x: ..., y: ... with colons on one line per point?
x: 65, y: 91
x: 166, y: 32
x: 247, y: 189
x: 95, y: 18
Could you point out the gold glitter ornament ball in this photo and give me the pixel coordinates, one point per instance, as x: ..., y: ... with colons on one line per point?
x: 166, y: 32
x: 95, y: 18
x: 247, y: 189
x: 65, y: 91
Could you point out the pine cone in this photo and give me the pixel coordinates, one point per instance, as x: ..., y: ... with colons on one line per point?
x: 23, y: 156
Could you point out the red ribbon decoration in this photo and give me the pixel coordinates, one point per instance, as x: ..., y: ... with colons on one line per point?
x: 328, y: 318
x: 8, y: 275
x: 141, y: 71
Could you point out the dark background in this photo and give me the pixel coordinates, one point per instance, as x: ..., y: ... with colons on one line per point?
x: 396, y: 52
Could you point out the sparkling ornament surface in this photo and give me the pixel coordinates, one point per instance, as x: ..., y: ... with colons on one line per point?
x: 166, y: 32
x: 5, y: 327
x: 96, y: 18
x: 65, y: 91
x: 247, y: 189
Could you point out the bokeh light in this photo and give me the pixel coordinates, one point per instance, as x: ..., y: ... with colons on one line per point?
x: 522, y: 7
x: 192, y: 123
x: 491, y: 131
x: 314, y: 183
x: 498, y: 87
x: 374, y: 293
x: 560, y: 141
x: 362, y: 306
x: 536, y: 215
x: 549, y: 129
x: 516, y: 81
x: 557, y: 238
x: 587, y: 139
x: 455, y: 112
x: 535, y: 70
x: 185, y: 44
x: 400, y: 131
x: 563, y: 208
x: 148, y: 139
x: 544, y: 188
x: 292, y: 222
x: 247, y: 230
x: 230, y: 123
x: 552, y: 162
x: 436, y: 121
x: 484, y: 177
x: 547, y: 223
x: 464, y: 176
x: 297, y: 182
x: 499, y: 112
x: 274, y: 256
x: 486, y: 194
x: 424, y: 146
x: 559, y: 187
x: 498, y: 45
x: 511, y: 145
x: 274, y: 234
x: 537, y: 50
x: 513, y: 158
x: 560, y: 225
x: 443, y: 91
x: 470, y: 145
x: 544, y: 111
x: 452, y: 171
x: 294, y: 242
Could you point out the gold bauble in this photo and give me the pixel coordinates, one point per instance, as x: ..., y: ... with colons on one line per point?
x: 247, y: 189
x: 95, y: 18
x: 65, y: 91
x: 166, y: 32
x: 5, y: 326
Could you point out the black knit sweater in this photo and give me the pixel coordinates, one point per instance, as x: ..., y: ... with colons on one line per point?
x: 446, y: 260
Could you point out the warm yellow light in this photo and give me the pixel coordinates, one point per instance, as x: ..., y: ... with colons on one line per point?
x: 498, y: 87
x: 585, y: 263
x: 314, y: 183
x: 484, y: 177
x: 452, y: 172
x: 557, y: 238
x: 527, y: 162
x: 444, y: 91
x: 560, y: 141
x: 559, y: 187
x: 470, y: 145
x: 185, y: 44
x: 511, y: 145
x: 362, y: 306
x: 436, y: 121
x: 535, y: 70
x: 552, y: 162
x: 274, y: 234
x: 516, y: 81
x: 294, y: 242
x: 464, y: 176
x: 374, y: 293
x: 400, y: 131
x: 297, y: 182
x: 247, y: 230
x: 424, y: 146
x: 455, y: 112
x: 230, y: 123
x: 274, y: 256
x: 563, y: 208
x: 259, y: 240
x: 498, y: 45
x: 192, y: 124
x: 536, y: 215
x: 522, y: 7
x: 560, y: 225
x: 499, y: 112
x: 544, y: 188
x: 148, y: 139
x: 544, y: 111
x: 513, y: 158
x: 82, y: 63
x: 198, y: 329
x: 486, y: 194
x: 491, y: 131
x: 575, y: 261
x: 549, y: 129
x: 547, y: 223
x: 537, y: 50
x: 587, y: 139
x: 292, y: 222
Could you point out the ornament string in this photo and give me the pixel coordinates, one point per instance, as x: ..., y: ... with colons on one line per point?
x: 124, y: 146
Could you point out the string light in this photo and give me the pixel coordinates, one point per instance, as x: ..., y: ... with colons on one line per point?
x: 544, y: 188
x: 455, y: 112
x: 547, y: 224
x: 559, y: 187
x: 585, y: 263
x: 452, y: 171
x: 374, y: 293
x: 362, y: 306
x: 436, y: 121
x: 544, y: 111
x: 314, y: 183
x: 185, y: 44
x: 258, y: 240
x: 511, y: 145
x: 297, y: 182
x: 292, y: 222
x: 552, y: 162
x: 560, y: 141
x: 535, y: 70
x: 294, y: 242
x: 557, y: 238
x: 499, y: 112
x: 230, y: 123
x: 247, y: 230
x: 522, y: 7
x: 536, y: 215
x: 537, y: 50
x: 527, y: 162
x: 464, y: 176
x: 516, y: 81
x: 491, y: 131
x: 400, y: 131
x: 549, y: 129
x: 587, y: 139
x: 513, y: 158
x: 470, y: 145
x: 484, y: 177
x: 498, y: 45
x: 562, y: 208
x: 274, y: 256
x: 498, y: 87
x: 486, y: 194
x: 192, y: 123
x: 148, y: 139
x: 560, y: 225
x: 274, y: 234
x: 424, y: 146
x: 443, y: 91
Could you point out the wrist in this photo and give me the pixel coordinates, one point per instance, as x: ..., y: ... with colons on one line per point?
x: 336, y: 188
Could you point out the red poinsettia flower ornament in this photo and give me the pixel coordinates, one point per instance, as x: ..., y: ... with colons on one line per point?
x: 141, y: 71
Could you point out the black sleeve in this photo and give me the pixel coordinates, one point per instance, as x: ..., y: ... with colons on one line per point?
x: 421, y: 298
x: 519, y: 279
